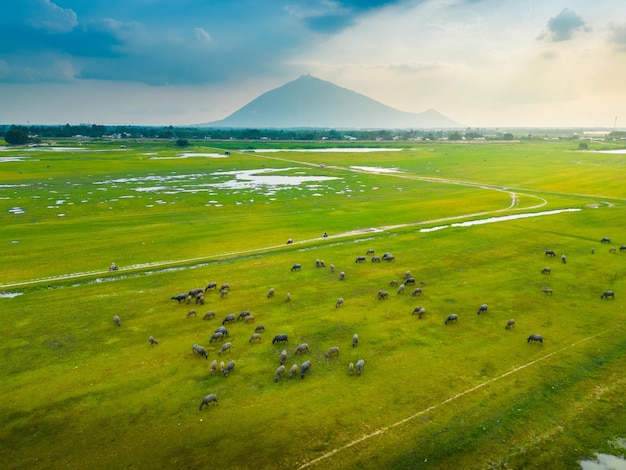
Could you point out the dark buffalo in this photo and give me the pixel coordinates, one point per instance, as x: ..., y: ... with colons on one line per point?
x: 222, y: 329
x: 280, y: 338
x: 535, y: 338
x: 199, y: 350
x: 510, y: 324
x: 306, y: 366
x: 383, y: 294
x: 228, y: 318
x: 216, y: 336
x: 550, y: 253
x: 622, y: 248
x: 210, y: 398
x: 482, y: 309
x: 546, y: 271
x: 409, y: 280
x: 296, y: 267
x: 359, y: 259
x: 210, y: 285
x: 453, y: 317
x: 152, y: 340
x: 179, y: 297
x: 259, y: 328
x: 608, y: 293
x: 243, y: 315
x: 605, y: 240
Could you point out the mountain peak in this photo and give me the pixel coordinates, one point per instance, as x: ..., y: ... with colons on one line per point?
x: 312, y: 102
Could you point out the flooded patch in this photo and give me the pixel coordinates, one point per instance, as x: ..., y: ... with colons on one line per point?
x: 190, y: 155
x: 503, y: 218
x: 604, y: 462
x: 375, y: 169
x: 9, y: 295
x: 333, y: 150
x: 11, y: 159
x: 16, y: 210
x: 252, y: 179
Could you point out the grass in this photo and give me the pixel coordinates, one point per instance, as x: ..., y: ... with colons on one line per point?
x: 79, y: 391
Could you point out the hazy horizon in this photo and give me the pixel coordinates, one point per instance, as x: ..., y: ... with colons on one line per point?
x: 482, y: 63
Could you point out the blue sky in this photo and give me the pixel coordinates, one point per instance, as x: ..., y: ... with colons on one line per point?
x: 180, y: 62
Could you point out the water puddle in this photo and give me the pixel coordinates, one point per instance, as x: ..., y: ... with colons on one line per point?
x: 503, y: 218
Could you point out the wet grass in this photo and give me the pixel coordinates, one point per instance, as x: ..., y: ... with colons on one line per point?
x: 81, y: 392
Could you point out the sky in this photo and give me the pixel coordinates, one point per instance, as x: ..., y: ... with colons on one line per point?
x: 482, y: 63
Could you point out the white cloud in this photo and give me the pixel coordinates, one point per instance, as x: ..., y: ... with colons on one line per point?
x: 202, y: 35
x: 52, y: 18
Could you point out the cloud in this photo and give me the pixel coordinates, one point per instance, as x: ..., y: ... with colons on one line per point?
x: 50, y: 17
x: 563, y: 26
x: 618, y: 36
x: 202, y: 35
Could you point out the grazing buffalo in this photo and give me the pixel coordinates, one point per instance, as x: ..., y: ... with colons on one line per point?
x: 225, y: 286
x: 535, y: 338
x: 200, y: 299
x: 210, y: 398
x: 223, y: 293
x: 332, y: 351
x: 243, y: 315
x: 510, y: 324
x: 209, y: 315
x: 213, y: 366
x: 270, y: 293
x: 225, y: 347
x: 194, y: 292
x: 359, y: 259
x: 259, y: 328
x: 383, y: 294
x: 612, y: 250
x: 400, y: 288
x: 409, y: 280
x: 546, y: 291
x: 420, y: 311
x: 293, y: 370
x: 216, y: 336
x: 453, y: 317
x: 210, y: 285
x: 339, y: 302
x: 229, y: 368
x: 152, y: 340
x: 179, y: 297
x: 605, y: 240
x: 199, y: 350
x: 342, y: 276
x: 222, y: 329
x: 332, y: 268
x: 306, y: 366
x: 388, y: 257
x: 191, y: 313
x: 359, y: 366
x: 288, y: 297
x: 228, y: 318
x: 416, y: 291
x: 296, y: 267
x: 283, y: 356
x: 282, y: 338
x: 369, y: 252
x: 255, y: 337
x: 301, y: 349
x: 393, y: 282
x: 375, y: 259
x: 117, y: 320
x: 563, y: 259
x: 279, y: 372
x: 482, y: 309
x: 546, y: 271
x: 351, y: 368
x: 289, y: 241
x: 608, y: 293
x: 622, y: 248
x: 355, y: 340
x: 407, y: 274
x: 550, y: 253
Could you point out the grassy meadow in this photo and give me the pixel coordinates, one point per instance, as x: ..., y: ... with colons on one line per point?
x: 81, y: 392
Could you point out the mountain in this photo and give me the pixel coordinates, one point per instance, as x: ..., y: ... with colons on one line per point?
x: 311, y: 102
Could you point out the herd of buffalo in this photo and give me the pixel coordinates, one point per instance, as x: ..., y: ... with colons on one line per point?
x: 221, y: 333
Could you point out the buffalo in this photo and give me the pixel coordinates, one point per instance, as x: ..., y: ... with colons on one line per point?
x: 608, y: 293
x: 117, y: 320
x: 301, y: 349
x: 332, y: 351
x: 209, y: 315
x: 306, y: 366
x: 546, y: 271
x: 359, y: 366
x: 355, y: 340
x: 550, y: 253
x: 255, y: 337
x: 210, y: 285
x: 281, y: 338
x: 152, y: 340
x: 225, y: 347
x: 229, y: 368
x: 199, y: 350
x: 280, y: 371
x: 339, y: 302
x: 510, y: 324
x: 482, y: 309
x: 210, y: 398
x: 179, y: 297
x: 296, y: 267
x: 535, y: 338
x: 228, y: 318
x: 453, y: 317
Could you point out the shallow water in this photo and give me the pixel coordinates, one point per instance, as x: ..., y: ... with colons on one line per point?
x: 604, y: 462
x: 503, y: 218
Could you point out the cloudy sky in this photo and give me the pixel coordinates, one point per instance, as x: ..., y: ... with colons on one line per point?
x: 179, y: 62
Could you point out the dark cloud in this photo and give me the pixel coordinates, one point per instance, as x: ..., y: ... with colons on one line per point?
x: 333, y: 17
x: 563, y: 26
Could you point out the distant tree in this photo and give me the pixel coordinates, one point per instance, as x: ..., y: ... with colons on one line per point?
x: 16, y: 136
x: 182, y: 142
x: 583, y: 146
x: 507, y: 136
x: 455, y: 135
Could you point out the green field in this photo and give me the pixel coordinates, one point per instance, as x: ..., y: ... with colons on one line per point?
x: 81, y: 392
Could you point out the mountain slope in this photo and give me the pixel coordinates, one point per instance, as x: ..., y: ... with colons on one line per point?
x: 311, y: 102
